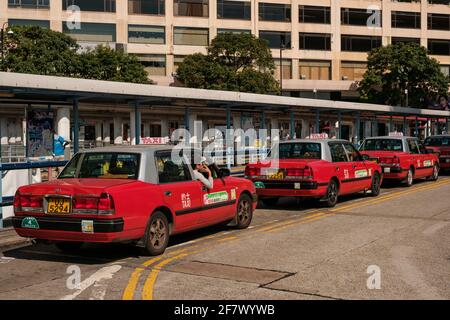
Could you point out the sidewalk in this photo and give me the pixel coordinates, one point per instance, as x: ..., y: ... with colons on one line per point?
x: 9, y: 239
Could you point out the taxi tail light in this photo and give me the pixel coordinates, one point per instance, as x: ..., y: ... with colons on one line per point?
x: 94, y: 205
x: 252, y: 171
x: 395, y: 161
x: 308, y: 173
x: 305, y: 173
x: 27, y: 203
x: 106, y: 204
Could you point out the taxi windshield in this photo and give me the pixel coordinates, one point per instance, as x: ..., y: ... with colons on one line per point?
x: 437, y: 142
x: 382, y: 145
x: 300, y: 150
x: 103, y: 165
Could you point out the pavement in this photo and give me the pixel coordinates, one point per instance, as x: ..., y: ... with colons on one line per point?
x: 9, y: 239
x: 395, y: 246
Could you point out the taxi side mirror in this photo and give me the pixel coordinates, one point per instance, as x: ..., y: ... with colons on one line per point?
x: 224, y: 172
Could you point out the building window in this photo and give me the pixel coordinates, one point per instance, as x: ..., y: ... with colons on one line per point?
x: 359, y: 43
x: 190, y: 36
x: 439, y: 47
x: 91, y: 5
x: 360, y: 17
x: 154, y: 64
x: 274, y: 12
x: 235, y: 31
x: 287, y: 68
x: 315, y: 70
x: 155, y: 7
x: 445, y: 70
x: 438, y: 21
x: 92, y: 32
x: 396, y: 40
x: 276, y: 39
x: 408, y: 20
x: 32, y: 4
x: 190, y: 8
x: 177, y: 60
x: 353, y: 70
x: 22, y: 22
x: 227, y: 9
x: 445, y: 2
x: 313, y: 14
x: 315, y: 41
x: 146, y: 34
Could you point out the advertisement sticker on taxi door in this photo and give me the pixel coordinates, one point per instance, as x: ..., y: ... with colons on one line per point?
x: 361, y: 173
x: 215, y: 197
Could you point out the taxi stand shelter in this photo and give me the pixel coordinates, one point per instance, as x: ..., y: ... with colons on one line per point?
x: 26, y: 89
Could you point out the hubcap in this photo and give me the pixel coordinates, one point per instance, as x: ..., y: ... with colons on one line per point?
x: 157, y: 233
x: 332, y: 192
x: 376, y: 184
x: 244, y: 211
x: 410, y: 177
x: 435, y: 172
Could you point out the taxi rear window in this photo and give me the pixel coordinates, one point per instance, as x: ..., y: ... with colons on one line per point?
x: 103, y: 165
x: 437, y: 142
x: 382, y: 145
x: 301, y: 150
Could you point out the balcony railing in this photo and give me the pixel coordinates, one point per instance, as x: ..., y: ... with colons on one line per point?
x: 444, y: 2
x: 29, y: 4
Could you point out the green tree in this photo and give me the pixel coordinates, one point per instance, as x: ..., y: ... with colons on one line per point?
x: 234, y: 62
x: 395, y: 68
x: 36, y: 50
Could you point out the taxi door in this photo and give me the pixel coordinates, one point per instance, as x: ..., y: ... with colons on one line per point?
x: 428, y: 159
x: 182, y: 194
x: 417, y: 159
x: 360, y: 175
x: 342, y: 167
x: 218, y: 202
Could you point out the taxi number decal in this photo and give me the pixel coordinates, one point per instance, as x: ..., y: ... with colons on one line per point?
x: 361, y: 173
x: 233, y: 194
x: 346, y: 174
x: 186, y: 200
x: 215, y: 197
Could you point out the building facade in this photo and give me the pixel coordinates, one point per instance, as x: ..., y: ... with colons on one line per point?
x: 320, y: 45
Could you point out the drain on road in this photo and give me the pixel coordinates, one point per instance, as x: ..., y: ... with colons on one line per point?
x: 229, y: 272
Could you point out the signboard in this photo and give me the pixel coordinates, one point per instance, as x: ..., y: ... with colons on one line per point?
x: 40, y: 134
x: 323, y: 135
x: 154, y: 140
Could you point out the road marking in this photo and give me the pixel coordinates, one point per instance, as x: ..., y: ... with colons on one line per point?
x: 227, y: 239
x: 290, y: 222
x: 147, y: 291
x: 302, y: 222
x: 101, y: 274
x: 6, y: 259
x: 435, y: 228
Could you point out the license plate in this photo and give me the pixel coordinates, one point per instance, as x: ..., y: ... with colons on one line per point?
x: 57, y: 205
x: 448, y: 160
x: 272, y: 173
x: 387, y: 170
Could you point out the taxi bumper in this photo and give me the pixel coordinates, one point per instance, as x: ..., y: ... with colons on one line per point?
x: 70, y: 229
x: 444, y: 163
x: 290, y: 189
x: 394, y: 173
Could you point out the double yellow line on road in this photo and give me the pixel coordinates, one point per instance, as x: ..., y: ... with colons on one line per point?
x: 314, y: 215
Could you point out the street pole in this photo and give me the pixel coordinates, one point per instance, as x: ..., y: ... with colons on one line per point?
x: 281, y: 68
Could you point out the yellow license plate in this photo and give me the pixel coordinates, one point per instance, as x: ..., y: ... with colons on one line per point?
x: 58, y: 205
x: 278, y: 175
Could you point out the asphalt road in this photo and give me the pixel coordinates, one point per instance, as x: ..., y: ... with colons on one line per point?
x: 395, y: 246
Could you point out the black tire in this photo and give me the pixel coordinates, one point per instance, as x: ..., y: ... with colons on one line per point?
x: 409, y: 178
x: 435, y: 175
x: 244, y: 212
x: 269, y: 202
x: 156, y: 236
x: 69, y: 246
x: 375, y: 188
x: 331, y: 197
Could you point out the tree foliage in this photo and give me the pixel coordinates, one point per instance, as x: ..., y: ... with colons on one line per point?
x: 36, y: 50
x: 395, y: 68
x: 234, y: 62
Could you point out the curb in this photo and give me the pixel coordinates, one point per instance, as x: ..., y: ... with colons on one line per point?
x: 10, y: 240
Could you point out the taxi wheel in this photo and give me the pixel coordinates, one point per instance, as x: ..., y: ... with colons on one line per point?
x: 268, y: 202
x: 376, y: 185
x: 435, y: 174
x: 157, y: 234
x: 409, y: 178
x: 244, y: 212
x: 332, y: 194
x: 69, y: 246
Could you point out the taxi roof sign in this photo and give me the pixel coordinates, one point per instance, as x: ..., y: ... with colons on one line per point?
x: 323, y: 135
x: 395, y: 134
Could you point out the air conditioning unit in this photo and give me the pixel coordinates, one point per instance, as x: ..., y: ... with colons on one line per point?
x: 303, y: 77
x: 344, y: 78
x: 121, y: 47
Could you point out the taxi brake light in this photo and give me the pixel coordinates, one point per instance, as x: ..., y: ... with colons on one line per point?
x: 251, y: 171
x: 27, y: 203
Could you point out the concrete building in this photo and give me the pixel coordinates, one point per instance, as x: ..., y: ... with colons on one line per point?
x: 324, y: 43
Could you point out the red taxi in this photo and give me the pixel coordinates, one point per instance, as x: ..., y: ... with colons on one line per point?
x: 440, y: 144
x: 322, y: 169
x: 402, y: 158
x: 135, y: 194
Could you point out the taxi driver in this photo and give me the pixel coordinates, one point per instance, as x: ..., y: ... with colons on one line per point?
x: 200, y: 171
